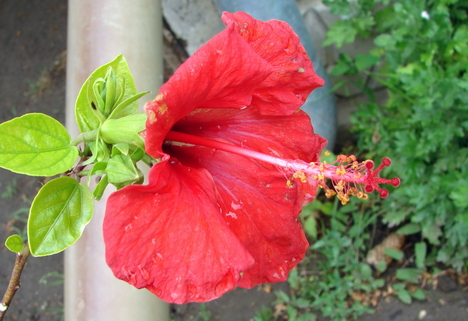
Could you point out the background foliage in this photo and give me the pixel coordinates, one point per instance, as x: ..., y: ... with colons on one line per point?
x: 420, y: 56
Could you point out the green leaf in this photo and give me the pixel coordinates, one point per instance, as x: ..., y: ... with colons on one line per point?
x: 410, y: 228
x: 404, y: 296
x: 85, y: 112
x: 58, y: 215
x: 384, y: 40
x: 381, y: 266
x: 36, y: 145
x: 418, y: 294
x: 409, y: 274
x: 365, y: 61
x: 310, y: 227
x: 420, y: 250
x: 120, y: 169
x: 394, y: 254
x: 14, y: 243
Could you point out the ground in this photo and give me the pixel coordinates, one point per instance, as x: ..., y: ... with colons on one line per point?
x: 32, y: 79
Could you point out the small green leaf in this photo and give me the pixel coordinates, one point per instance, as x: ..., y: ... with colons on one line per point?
x: 418, y: 294
x: 365, y: 61
x: 310, y: 227
x: 365, y: 271
x: 36, y: 145
x: 420, y: 250
x: 14, y: 243
x: 120, y: 169
x: 409, y: 274
x: 409, y: 229
x: 394, y: 254
x: 381, y: 266
x: 384, y: 40
x: 404, y: 296
x: 58, y: 215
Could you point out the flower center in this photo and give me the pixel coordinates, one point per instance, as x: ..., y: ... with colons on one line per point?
x: 348, y: 176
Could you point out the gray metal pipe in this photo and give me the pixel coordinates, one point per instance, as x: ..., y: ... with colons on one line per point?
x: 97, y: 32
x: 320, y: 105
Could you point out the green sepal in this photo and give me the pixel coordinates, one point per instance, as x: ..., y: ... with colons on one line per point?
x: 14, y: 243
x: 124, y: 130
x: 121, y: 109
x: 85, y: 112
x: 121, y: 171
x: 36, y: 145
x: 100, y: 187
x: 58, y: 215
x: 138, y: 155
x: 100, y: 152
x: 119, y: 149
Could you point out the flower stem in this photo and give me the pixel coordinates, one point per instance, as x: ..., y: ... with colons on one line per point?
x: 14, y: 284
x: 86, y: 136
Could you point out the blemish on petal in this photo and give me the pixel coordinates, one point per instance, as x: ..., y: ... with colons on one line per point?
x: 152, y: 117
x: 158, y: 97
x: 162, y: 109
x: 300, y: 69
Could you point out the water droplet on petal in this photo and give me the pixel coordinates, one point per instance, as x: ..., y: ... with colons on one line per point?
x: 231, y: 214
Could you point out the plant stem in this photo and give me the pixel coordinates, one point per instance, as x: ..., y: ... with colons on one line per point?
x: 14, y: 284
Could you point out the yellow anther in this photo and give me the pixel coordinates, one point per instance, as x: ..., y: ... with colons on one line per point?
x: 358, y: 175
x: 344, y: 198
x: 322, y: 168
x: 330, y: 193
x: 327, y: 153
x: 340, y: 170
x: 288, y: 183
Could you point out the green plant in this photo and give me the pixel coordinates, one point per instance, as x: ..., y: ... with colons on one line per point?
x: 10, y: 189
x: 333, y: 279
x: 421, y: 57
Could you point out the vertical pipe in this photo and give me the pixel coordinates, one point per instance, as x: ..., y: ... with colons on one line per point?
x: 97, y: 32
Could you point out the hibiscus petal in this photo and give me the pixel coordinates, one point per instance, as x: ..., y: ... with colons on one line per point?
x: 287, y: 88
x: 255, y: 200
x: 222, y: 73
x: 170, y: 238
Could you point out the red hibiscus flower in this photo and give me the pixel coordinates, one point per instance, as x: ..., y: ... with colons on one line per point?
x: 237, y: 161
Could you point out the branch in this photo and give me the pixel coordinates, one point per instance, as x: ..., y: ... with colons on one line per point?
x: 14, y: 284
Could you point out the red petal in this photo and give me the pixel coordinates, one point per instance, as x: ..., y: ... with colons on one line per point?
x: 287, y: 88
x: 170, y: 238
x: 256, y: 202
x: 222, y: 73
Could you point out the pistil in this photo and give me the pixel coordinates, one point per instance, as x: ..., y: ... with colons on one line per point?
x: 348, y: 176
